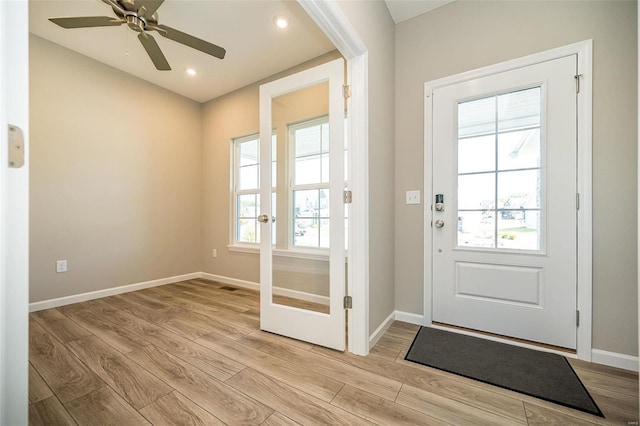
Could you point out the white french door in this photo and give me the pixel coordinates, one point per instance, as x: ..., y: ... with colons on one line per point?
x: 504, y: 217
x: 302, y: 215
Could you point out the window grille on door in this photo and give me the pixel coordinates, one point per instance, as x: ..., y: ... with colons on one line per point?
x: 499, y: 174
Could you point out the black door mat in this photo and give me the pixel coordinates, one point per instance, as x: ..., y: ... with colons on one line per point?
x: 539, y: 374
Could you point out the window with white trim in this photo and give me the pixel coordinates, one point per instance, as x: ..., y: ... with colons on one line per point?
x: 246, y: 188
x: 309, y: 183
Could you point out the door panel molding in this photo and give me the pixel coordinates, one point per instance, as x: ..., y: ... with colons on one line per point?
x: 583, y: 50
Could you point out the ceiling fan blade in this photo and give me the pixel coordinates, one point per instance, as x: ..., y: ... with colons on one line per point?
x: 154, y: 52
x: 191, y: 41
x: 151, y: 6
x: 86, y: 22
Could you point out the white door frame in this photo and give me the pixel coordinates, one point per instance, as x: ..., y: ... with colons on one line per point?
x: 584, y: 51
x: 331, y: 19
x: 14, y: 216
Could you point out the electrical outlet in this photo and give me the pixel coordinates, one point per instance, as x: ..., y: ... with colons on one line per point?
x: 214, y: 253
x: 61, y: 266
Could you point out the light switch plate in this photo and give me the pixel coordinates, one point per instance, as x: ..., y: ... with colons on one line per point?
x: 413, y: 197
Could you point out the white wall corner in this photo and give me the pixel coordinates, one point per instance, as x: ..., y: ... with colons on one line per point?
x: 394, y: 316
x: 614, y: 359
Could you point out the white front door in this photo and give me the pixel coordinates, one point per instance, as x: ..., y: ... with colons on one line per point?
x: 504, y: 209
x: 302, y: 248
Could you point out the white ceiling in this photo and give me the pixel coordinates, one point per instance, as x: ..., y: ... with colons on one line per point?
x: 255, y: 47
x: 402, y: 10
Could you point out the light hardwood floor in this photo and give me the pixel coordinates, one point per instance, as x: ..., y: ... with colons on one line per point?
x: 193, y: 353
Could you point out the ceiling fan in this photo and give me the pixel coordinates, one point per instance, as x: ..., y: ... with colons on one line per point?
x: 141, y: 16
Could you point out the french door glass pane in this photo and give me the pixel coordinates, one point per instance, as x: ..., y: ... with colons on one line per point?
x: 324, y: 233
x: 477, y: 154
x: 311, y: 214
x: 477, y: 191
x: 324, y: 129
x: 325, y: 168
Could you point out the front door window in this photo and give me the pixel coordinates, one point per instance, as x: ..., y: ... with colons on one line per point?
x: 499, y: 171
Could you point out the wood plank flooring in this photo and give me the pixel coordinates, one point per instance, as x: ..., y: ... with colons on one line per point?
x: 192, y: 353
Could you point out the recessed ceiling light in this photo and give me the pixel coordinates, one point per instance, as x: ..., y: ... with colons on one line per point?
x: 281, y: 22
x: 191, y: 71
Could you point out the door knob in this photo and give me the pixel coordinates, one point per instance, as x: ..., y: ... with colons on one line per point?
x: 439, y: 223
x: 263, y: 218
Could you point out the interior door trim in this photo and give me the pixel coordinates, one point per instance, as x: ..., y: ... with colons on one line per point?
x: 329, y: 17
x: 584, y: 52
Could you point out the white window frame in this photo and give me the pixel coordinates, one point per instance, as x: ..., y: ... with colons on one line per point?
x: 291, y: 129
x: 234, y: 243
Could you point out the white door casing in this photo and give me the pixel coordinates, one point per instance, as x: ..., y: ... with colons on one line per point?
x: 328, y: 15
x: 315, y: 327
x: 14, y: 215
x: 461, y: 262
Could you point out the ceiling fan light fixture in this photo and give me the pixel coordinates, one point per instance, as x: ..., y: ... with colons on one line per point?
x: 191, y: 71
x: 281, y: 22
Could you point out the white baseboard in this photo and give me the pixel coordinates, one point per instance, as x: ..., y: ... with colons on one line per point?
x: 613, y: 359
x: 231, y: 281
x: 300, y: 295
x: 377, y: 334
x: 410, y: 318
x: 394, y: 316
x: 83, y: 297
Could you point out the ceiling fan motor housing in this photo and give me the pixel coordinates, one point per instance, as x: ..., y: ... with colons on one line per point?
x: 136, y: 23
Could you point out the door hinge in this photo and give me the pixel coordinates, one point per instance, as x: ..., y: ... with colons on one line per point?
x: 577, y: 201
x: 346, y: 91
x: 347, y: 196
x: 577, y: 77
x: 16, y: 147
x: 347, y: 302
x: 577, y: 318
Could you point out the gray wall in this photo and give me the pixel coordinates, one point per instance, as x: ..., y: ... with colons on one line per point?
x: 373, y: 23
x: 115, y: 176
x: 466, y: 35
